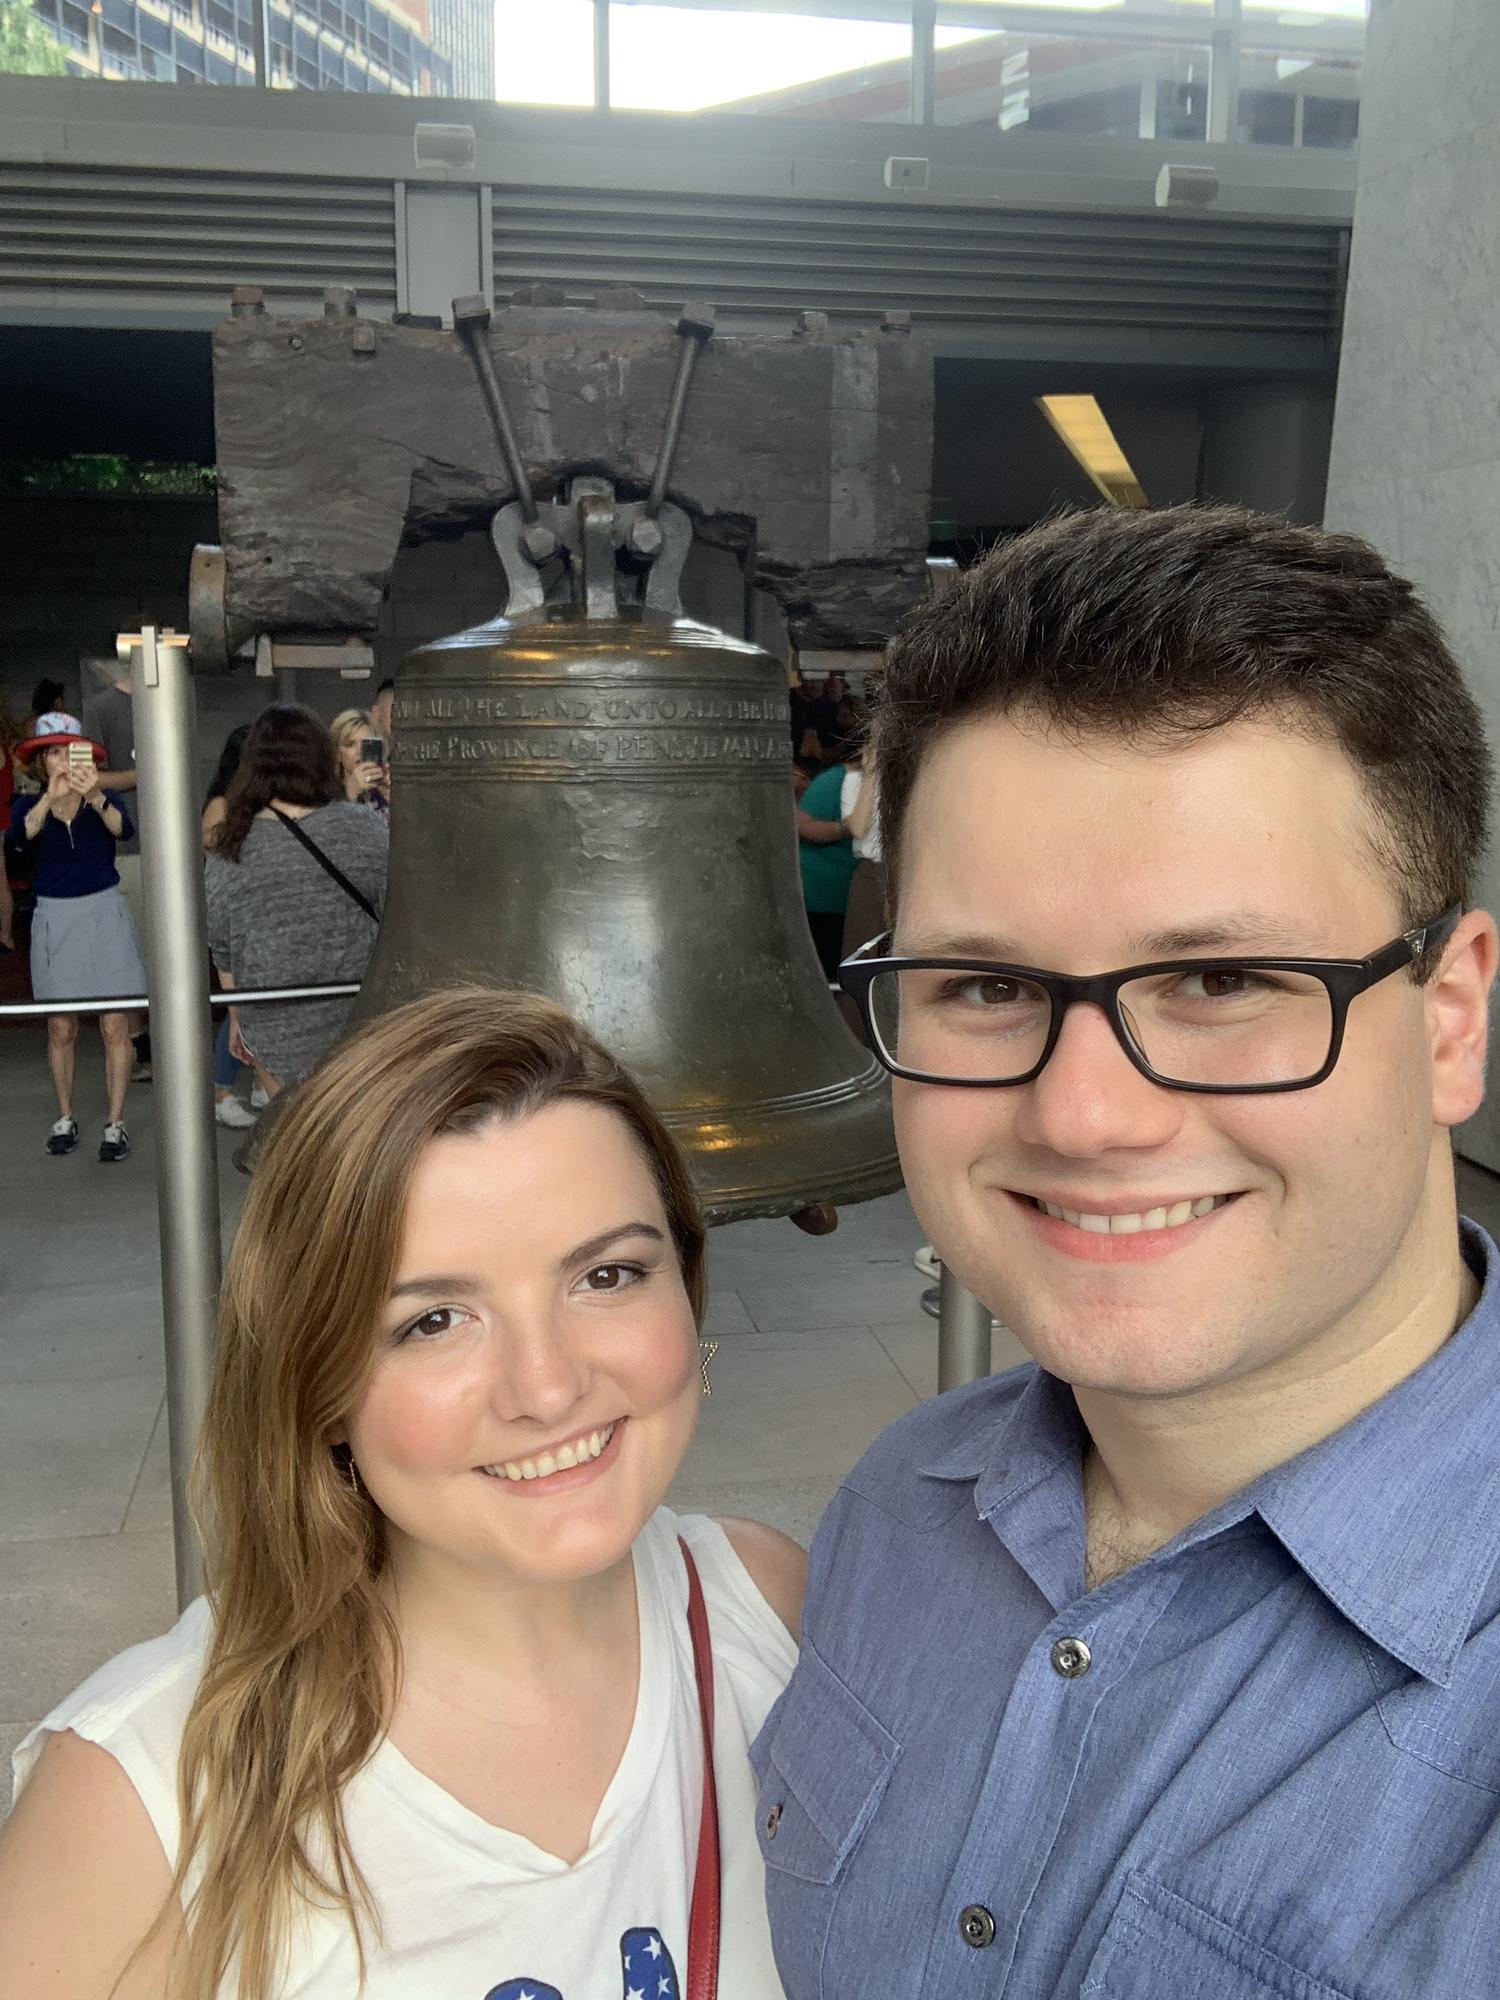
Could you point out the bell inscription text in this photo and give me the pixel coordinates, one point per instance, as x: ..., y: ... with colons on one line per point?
x: 555, y: 732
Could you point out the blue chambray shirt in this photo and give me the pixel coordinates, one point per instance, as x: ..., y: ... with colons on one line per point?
x: 1278, y: 1776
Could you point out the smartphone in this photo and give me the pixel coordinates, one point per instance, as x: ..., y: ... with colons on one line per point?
x: 372, y: 750
x: 81, y: 759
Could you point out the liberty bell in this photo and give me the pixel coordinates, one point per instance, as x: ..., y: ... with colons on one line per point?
x: 592, y: 800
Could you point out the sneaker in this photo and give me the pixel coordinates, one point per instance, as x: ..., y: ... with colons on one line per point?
x: 231, y: 1112
x: 259, y: 1098
x: 115, y: 1144
x: 140, y: 1071
x: 926, y: 1261
x: 63, y: 1138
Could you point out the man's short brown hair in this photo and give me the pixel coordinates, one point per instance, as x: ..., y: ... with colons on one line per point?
x: 1155, y: 627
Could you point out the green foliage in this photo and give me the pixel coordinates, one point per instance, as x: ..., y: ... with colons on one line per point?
x: 28, y: 46
x: 104, y: 472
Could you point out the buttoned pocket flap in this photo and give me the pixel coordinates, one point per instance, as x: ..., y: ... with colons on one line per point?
x: 1159, y: 1946
x: 827, y: 1763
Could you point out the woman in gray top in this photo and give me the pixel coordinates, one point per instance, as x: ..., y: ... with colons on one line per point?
x: 277, y: 914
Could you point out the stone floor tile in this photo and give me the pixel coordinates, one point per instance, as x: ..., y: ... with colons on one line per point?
x: 827, y: 1360
x: 69, y: 1458
x: 726, y: 1311
x: 150, y: 1503
x: 71, y: 1604
x: 816, y: 1433
x: 794, y: 1505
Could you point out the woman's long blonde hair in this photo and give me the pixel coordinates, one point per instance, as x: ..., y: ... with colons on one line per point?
x: 304, y: 1658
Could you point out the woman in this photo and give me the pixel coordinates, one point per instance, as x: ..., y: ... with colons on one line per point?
x: 864, y: 917
x: 366, y: 782
x: 229, y: 1109
x: 436, y: 1722
x: 825, y: 855
x: 295, y: 878
x: 83, y: 944
x: 10, y: 736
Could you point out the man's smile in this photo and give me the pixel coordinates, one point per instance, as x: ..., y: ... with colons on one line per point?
x: 1111, y: 1232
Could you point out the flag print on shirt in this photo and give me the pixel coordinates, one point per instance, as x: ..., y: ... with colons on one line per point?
x: 644, y: 1959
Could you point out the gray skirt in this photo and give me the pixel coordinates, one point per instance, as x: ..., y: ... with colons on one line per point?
x: 84, y: 948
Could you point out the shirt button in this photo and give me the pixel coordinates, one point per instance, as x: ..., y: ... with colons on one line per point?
x: 1071, y: 1658
x: 976, y: 1926
x: 773, y: 1820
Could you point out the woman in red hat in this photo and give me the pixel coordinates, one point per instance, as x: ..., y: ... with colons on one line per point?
x: 83, y: 944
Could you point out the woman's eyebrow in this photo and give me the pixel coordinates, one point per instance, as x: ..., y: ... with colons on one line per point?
x: 420, y: 1288
x: 602, y: 1241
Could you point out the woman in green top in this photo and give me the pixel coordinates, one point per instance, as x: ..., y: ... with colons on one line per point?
x: 828, y: 861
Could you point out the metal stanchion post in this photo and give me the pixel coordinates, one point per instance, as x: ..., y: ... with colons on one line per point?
x: 963, y: 1334
x: 187, y: 1163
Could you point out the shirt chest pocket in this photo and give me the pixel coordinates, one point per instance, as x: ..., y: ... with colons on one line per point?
x: 1159, y: 1946
x: 824, y: 1763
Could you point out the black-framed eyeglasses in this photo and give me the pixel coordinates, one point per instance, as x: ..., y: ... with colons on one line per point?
x: 1218, y: 1025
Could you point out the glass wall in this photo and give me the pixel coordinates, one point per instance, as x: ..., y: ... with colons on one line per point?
x: 772, y: 62
x: 1261, y: 72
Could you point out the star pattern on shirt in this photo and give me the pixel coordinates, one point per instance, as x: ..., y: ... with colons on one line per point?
x: 644, y: 1959
x: 649, y: 1971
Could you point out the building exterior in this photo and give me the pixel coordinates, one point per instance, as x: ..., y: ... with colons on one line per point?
x: 1119, y: 77
x: 405, y: 48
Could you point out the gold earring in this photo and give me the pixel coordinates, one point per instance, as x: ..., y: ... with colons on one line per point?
x: 707, y: 1349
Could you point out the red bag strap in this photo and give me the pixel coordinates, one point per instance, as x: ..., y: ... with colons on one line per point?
x: 703, y: 1919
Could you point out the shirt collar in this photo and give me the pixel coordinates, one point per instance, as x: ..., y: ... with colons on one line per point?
x: 1393, y: 1517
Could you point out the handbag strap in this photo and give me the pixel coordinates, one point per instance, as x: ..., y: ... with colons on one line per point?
x: 703, y: 1917
x: 354, y: 895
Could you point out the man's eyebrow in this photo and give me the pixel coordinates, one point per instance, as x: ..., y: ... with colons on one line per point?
x: 1240, y: 931
x: 457, y: 1284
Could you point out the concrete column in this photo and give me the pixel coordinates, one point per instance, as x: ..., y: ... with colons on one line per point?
x: 1416, y: 443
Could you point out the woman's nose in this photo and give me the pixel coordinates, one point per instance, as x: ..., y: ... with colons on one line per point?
x: 538, y: 1371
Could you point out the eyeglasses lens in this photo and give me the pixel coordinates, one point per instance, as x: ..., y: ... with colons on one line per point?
x: 1211, y: 1024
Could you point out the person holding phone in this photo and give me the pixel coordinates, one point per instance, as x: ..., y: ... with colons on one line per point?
x: 466, y: 1710
x: 294, y: 880
x: 83, y: 942
x: 363, y: 761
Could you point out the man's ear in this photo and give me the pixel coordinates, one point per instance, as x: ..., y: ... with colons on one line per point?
x: 1458, y: 1018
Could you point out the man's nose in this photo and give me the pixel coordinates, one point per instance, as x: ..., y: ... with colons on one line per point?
x: 1091, y: 1098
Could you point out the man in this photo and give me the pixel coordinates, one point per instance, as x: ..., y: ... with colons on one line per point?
x: 110, y: 720
x: 1168, y: 1667
x: 381, y: 712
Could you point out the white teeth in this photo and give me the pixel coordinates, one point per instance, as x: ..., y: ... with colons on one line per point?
x: 562, y: 1460
x: 1129, y: 1225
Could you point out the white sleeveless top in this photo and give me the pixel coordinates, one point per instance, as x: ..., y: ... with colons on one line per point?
x: 471, y: 1912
